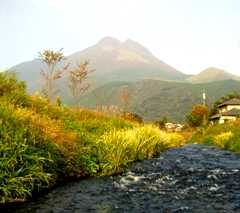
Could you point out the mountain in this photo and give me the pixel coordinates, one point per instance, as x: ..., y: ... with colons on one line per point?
x: 153, y: 99
x: 156, y: 89
x: 212, y: 74
x: 112, y: 59
x: 128, y: 60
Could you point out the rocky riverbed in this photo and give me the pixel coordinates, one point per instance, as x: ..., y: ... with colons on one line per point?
x: 194, y: 178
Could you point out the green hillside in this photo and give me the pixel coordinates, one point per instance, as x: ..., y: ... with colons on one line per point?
x: 153, y: 99
x: 43, y: 143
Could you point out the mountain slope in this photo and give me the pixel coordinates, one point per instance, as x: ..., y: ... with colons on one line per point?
x: 113, y: 60
x: 153, y: 99
x: 212, y: 74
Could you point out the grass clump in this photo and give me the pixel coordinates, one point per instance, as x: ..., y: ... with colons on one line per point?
x: 225, y: 136
x: 28, y: 160
x: 119, y: 148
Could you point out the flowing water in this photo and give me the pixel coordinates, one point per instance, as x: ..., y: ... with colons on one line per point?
x: 194, y: 178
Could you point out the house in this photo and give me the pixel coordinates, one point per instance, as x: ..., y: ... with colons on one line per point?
x: 227, y: 111
x: 172, y: 127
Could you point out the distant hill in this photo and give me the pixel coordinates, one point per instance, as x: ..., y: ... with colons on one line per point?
x: 113, y: 60
x: 212, y: 74
x: 153, y: 99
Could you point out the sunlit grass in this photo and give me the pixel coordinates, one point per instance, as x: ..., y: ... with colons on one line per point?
x: 225, y: 136
x: 119, y: 148
x: 43, y: 143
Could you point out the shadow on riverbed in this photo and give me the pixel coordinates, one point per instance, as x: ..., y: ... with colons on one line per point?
x: 194, y: 178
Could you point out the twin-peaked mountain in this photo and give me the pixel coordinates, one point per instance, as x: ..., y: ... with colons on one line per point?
x: 113, y: 60
x: 129, y: 60
x: 156, y: 88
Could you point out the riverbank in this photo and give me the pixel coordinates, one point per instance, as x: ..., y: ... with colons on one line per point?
x: 44, y: 143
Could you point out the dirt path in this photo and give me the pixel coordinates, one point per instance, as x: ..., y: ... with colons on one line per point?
x: 193, y: 178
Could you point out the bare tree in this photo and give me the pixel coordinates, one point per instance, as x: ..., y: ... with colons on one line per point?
x: 77, y: 78
x: 50, y: 75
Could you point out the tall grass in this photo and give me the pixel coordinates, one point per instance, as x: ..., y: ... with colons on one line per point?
x: 42, y: 144
x: 27, y: 159
x: 225, y: 136
x: 119, y: 148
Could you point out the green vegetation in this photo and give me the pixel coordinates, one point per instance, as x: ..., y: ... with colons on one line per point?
x: 154, y: 99
x: 161, y: 122
x: 225, y: 136
x: 198, y: 116
x: 122, y: 147
x: 43, y: 143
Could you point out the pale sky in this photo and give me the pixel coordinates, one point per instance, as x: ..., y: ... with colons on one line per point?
x: 190, y: 35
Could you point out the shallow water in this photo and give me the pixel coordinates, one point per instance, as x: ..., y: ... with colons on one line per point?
x: 194, y: 178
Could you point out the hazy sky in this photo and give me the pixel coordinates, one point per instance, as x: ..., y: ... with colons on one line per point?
x: 190, y: 35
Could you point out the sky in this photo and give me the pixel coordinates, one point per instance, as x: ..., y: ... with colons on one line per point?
x: 190, y: 35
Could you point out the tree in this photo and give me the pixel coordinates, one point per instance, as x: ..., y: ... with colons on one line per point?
x: 52, y: 73
x: 77, y: 78
x: 198, y: 115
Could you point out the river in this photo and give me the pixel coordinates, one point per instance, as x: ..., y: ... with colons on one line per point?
x: 194, y: 178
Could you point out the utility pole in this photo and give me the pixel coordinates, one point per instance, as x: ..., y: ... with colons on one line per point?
x: 204, y: 104
x: 204, y: 97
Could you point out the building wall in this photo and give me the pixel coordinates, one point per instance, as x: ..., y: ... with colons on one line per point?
x: 232, y: 107
x: 228, y: 107
x: 223, y: 119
